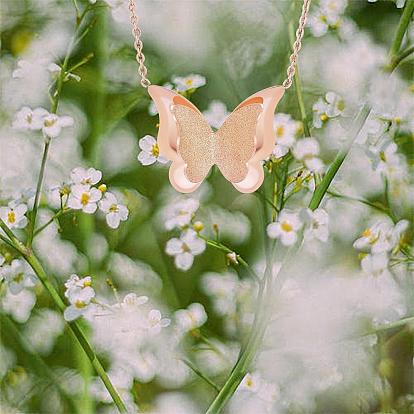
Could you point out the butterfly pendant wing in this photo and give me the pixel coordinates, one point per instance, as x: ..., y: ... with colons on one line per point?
x: 237, y: 148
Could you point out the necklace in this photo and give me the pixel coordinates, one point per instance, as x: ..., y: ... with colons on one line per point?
x: 237, y: 148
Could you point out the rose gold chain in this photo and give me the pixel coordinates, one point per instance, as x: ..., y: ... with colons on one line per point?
x: 297, y: 45
x: 140, y: 57
x: 143, y: 71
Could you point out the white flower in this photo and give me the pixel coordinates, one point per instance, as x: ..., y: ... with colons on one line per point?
x: 320, y: 109
x: 19, y: 306
x: 18, y: 276
x: 191, y: 318
x: 29, y: 119
x: 79, y: 293
x: 251, y: 382
x: 185, y: 248
x: 180, y: 213
x: 156, y: 322
x: 14, y: 216
x: 26, y: 196
x: 254, y: 383
x: 216, y: 114
x: 131, y: 301
x: 306, y: 150
x: 186, y: 83
x: 375, y: 264
x: 317, y: 224
x: 285, y: 228
x: 53, y: 124
x: 85, y: 198
x: 85, y: 176
x: 285, y: 131
x: 115, y: 213
x: 381, y: 237
x: 150, y: 152
x: 336, y: 105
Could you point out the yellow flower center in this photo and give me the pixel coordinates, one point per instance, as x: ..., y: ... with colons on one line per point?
x: 113, y: 208
x: 85, y: 199
x: 11, y: 217
x: 280, y: 131
x: 80, y: 304
x: 49, y: 122
x: 18, y: 278
x: 155, y: 151
x: 87, y: 283
x: 286, y: 226
x: 185, y: 248
x: 341, y: 105
x: 29, y: 118
x: 249, y: 382
x: 189, y: 82
x: 367, y: 233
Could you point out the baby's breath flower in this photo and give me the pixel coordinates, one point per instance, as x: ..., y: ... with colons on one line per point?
x: 179, y: 213
x: 285, y: 129
x: 285, y: 228
x: 191, y: 318
x: 155, y: 322
x: 375, y: 264
x: 306, y: 150
x: 29, y: 119
x: 14, y: 215
x: 84, y: 176
x: 79, y: 293
x: 185, y: 248
x: 189, y: 82
x: 115, y: 212
x: 320, y: 109
x: 317, y: 224
x: 18, y: 276
x: 53, y: 124
x: 150, y: 152
x: 85, y: 198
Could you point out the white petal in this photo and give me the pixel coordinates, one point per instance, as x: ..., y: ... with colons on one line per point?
x: 146, y: 143
x: 174, y: 246
x: 113, y: 220
x: 184, y: 261
x: 71, y: 313
x: 273, y: 230
x: 145, y: 158
x: 95, y: 195
x: 90, y: 208
x: 74, y: 203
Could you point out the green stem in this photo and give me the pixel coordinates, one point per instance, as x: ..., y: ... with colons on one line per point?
x: 33, y: 360
x: 200, y: 374
x: 401, y: 29
x: 376, y: 206
x: 396, y: 60
x: 76, y: 330
x: 323, y: 186
x: 74, y: 326
x: 53, y: 110
x: 49, y: 222
x: 38, y: 192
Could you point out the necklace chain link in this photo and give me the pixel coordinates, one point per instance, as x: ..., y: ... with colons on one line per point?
x: 140, y: 57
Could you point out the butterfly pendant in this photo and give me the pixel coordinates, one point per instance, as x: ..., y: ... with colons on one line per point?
x: 237, y: 147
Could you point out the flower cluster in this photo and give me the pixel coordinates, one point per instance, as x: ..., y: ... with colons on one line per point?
x: 39, y: 119
x: 289, y: 223
x: 18, y: 299
x: 80, y: 294
x: 330, y: 106
x: 81, y: 194
x: 378, y: 243
x: 328, y: 16
x: 180, y: 215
